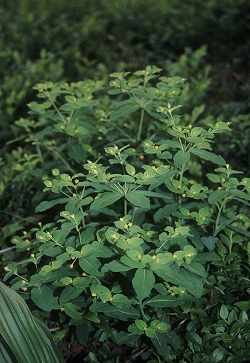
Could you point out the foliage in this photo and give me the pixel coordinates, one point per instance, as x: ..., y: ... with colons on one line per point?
x: 23, y: 338
x: 144, y: 241
x: 72, y: 41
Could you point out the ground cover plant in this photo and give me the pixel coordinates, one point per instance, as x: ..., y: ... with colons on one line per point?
x: 93, y: 40
x: 141, y: 251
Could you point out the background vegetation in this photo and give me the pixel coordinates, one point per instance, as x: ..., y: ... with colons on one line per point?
x: 204, y: 42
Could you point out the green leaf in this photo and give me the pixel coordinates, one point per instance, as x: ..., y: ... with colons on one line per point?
x: 209, y: 242
x: 223, y: 312
x: 218, y: 354
x: 125, y: 313
x: 140, y: 324
x: 47, y: 205
x: 131, y: 263
x: 143, y: 282
x: 213, y: 177
x: 240, y: 194
x: 130, y: 169
x: 195, y: 238
x: 120, y: 300
x: 138, y: 199
x: 71, y: 310
x: 69, y: 293
x: 42, y: 297
x: 207, y: 155
x: 194, y: 338
x: 196, y: 112
x: 173, y: 339
x: 82, y: 333
x: 105, y: 199
x: 206, y: 257
x: 164, y: 301
x: 166, y: 211
x: 239, y: 230
x: 6, y: 354
x: 182, y: 277
x: 160, y: 343
x: 196, y: 268
x: 90, y: 265
x: 216, y: 196
x: 69, y: 107
x: 114, y: 266
x: 181, y: 158
x: 29, y: 340
x: 243, y: 305
x: 150, y: 332
x: 122, y: 337
x: 236, y: 328
x: 77, y: 153
x: 125, y: 110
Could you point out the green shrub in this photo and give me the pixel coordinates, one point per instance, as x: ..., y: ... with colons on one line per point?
x: 144, y: 244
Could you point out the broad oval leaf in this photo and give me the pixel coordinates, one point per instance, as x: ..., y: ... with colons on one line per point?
x: 181, y: 158
x: 90, y: 265
x: 71, y: 310
x: 143, y: 282
x: 42, y: 297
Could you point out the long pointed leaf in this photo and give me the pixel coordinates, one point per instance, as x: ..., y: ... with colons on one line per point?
x: 105, y: 200
x: 22, y: 334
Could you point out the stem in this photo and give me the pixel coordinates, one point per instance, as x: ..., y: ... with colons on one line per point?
x: 7, y: 249
x: 83, y: 219
x: 123, y: 132
x: 59, y: 157
x: 181, y: 173
x: 220, y: 209
x: 58, y: 112
x: 125, y: 207
x: 38, y: 150
x: 142, y: 311
x: 79, y: 235
x: 140, y: 125
x: 158, y: 249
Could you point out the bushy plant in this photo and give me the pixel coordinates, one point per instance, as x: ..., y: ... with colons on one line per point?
x: 143, y: 248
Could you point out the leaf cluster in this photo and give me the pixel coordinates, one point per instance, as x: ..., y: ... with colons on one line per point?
x: 146, y: 226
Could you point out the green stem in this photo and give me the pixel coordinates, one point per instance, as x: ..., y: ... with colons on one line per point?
x: 79, y: 235
x: 125, y: 207
x: 60, y: 157
x: 123, y: 132
x: 83, y: 219
x: 181, y: 173
x: 140, y: 125
x: 220, y: 209
x: 58, y: 112
x: 38, y: 150
x: 142, y: 311
x: 158, y: 249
